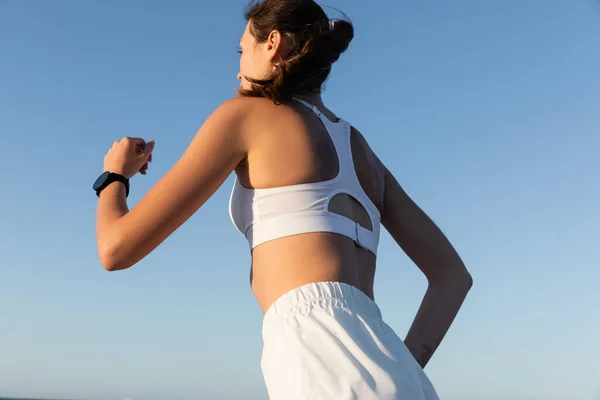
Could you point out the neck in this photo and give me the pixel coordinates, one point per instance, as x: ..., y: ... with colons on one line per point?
x: 314, y: 99
x: 317, y: 101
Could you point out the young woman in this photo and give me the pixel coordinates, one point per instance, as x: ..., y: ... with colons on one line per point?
x: 309, y: 196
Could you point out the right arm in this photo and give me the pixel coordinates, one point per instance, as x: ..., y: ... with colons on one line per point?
x: 448, y: 279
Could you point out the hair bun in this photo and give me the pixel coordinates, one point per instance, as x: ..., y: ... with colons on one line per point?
x: 342, y: 33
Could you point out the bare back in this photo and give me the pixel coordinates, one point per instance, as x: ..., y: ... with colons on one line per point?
x: 290, y: 146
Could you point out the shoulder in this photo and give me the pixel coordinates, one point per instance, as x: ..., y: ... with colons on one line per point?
x: 237, y: 121
x: 235, y: 115
x: 360, y: 143
x: 245, y: 115
x: 243, y: 107
x: 369, y: 168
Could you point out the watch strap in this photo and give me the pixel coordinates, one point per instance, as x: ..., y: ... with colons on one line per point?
x: 114, y: 177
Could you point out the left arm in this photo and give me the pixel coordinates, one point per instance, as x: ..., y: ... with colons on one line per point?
x: 125, y: 237
x: 427, y: 246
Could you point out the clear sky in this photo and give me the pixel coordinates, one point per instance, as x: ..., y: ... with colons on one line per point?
x: 488, y: 113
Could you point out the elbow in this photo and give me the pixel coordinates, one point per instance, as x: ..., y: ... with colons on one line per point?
x: 111, y: 257
x: 460, y: 282
x: 467, y: 281
x: 110, y: 263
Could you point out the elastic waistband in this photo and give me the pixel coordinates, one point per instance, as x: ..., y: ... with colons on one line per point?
x: 320, y: 295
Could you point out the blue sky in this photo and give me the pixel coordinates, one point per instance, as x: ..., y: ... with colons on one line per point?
x: 487, y: 112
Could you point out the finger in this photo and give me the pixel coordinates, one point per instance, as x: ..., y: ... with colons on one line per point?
x: 137, y: 145
x: 133, y: 143
x: 147, y: 152
x: 134, y: 140
x: 150, y: 158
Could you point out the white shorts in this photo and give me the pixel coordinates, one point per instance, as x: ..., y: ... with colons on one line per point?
x: 327, y: 341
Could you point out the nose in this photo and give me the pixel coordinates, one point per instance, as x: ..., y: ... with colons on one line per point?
x: 239, y: 76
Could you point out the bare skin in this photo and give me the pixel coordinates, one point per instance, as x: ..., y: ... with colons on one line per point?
x: 272, y: 146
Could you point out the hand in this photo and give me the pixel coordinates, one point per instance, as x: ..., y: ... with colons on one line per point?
x: 129, y: 156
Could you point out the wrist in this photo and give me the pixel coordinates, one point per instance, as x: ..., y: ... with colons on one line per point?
x: 114, y: 189
x: 119, y: 171
x: 106, y: 180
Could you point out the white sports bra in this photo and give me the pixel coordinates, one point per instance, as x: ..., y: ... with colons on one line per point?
x: 263, y: 215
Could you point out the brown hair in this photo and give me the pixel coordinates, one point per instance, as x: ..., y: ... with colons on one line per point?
x: 316, y: 43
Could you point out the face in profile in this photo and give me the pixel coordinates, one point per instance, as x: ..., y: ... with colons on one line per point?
x: 256, y: 60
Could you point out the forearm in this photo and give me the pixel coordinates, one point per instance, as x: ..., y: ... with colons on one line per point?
x: 436, y: 313
x: 112, y: 206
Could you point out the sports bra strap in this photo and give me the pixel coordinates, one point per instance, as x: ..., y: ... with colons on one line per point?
x: 311, y: 106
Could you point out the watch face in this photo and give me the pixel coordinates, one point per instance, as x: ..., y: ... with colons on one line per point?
x: 100, y: 181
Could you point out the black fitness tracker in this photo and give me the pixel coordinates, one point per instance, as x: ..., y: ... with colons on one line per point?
x: 106, y: 179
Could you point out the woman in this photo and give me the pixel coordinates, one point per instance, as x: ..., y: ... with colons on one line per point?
x: 310, y: 196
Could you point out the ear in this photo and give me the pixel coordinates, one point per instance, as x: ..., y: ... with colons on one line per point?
x: 277, y: 46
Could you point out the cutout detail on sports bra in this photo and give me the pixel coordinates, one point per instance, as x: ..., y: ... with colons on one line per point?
x: 347, y: 206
